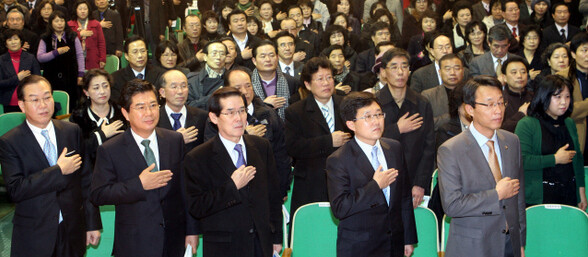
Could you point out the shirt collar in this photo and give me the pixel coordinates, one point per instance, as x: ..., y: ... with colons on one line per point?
x: 37, y: 130
x: 213, y: 74
x: 250, y: 109
x: 142, y: 72
x: 169, y: 111
x: 329, y: 104
x: 366, y: 148
x: 230, y: 145
x: 481, y: 139
x: 560, y: 27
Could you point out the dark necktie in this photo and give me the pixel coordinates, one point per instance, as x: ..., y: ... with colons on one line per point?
x: 563, y: 35
x: 177, y: 123
x: 30, y: 5
x: 288, y: 70
x: 149, y: 155
x: 514, y: 32
x: 140, y: 76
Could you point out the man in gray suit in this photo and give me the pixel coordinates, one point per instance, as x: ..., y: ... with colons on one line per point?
x: 452, y: 73
x: 481, y: 179
x: 489, y: 63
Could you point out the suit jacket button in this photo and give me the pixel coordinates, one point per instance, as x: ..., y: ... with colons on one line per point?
x: 504, y: 207
x: 251, y: 231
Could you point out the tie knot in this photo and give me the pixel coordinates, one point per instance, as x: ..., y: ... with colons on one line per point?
x: 375, y: 150
x: 238, y: 148
x: 140, y: 76
x: 146, y: 143
x: 45, y: 133
x: 176, y: 116
x: 562, y: 30
x: 514, y: 29
x: 324, y: 109
x: 490, y: 144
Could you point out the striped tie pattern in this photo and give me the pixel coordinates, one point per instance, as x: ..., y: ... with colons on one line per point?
x: 376, y: 163
x: 49, y: 149
x: 328, y: 118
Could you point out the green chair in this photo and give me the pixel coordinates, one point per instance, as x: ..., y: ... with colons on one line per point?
x: 556, y: 230
x: 105, y: 245
x: 314, y: 231
x: 10, y: 120
x: 586, y: 179
x: 123, y: 61
x: 288, y: 202
x: 61, y: 97
x: 1, y: 108
x: 199, y: 252
x: 434, y: 179
x: 112, y: 63
x: 427, y: 232
x: 445, y: 232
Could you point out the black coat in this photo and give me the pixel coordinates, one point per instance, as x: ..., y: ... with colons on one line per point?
x: 120, y: 78
x: 113, y: 36
x: 195, y: 117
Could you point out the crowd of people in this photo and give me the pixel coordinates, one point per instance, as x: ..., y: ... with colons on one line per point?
x: 355, y: 103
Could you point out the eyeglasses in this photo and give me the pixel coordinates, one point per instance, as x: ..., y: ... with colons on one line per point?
x: 493, y: 105
x: 232, y: 113
x: 323, y: 79
x: 371, y: 117
x: 145, y: 107
x: 217, y: 54
x: 38, y: 101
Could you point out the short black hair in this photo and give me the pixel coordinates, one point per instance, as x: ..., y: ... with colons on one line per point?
x: 380, y: 25
x: 133, y: 87
x: 551, y: 85
x: 526, y: 30
x: 132, y: 39
x: 450, y: 57
x: 548, y: 52
x: 430, y: 37
x: 54, y: 15
x: 504, y: 2
x: 164, y: 44
x: 558, y: 4
x: 293, y: 7
x: 330, y: 49
x: 8, y: 33
x: 469, y: 29
x: 333, y: 29
x: 514, y: 58
x: 210, y: 14
x: 579, y: 39
x: 383, y: 43
x: 393, y: 53
x: 74, y: 13
x: 499, y: 33
x: 228, y: 73
x: 32, y: 79
x: 471, y: 87
x: 205, y: 48
x: 312, y: 66
x: 428, y: 13
x: 334, y: 17
x: 460, y: 6
x: 214, y: 105
x: 282, y: 34
x: 261, y: 43
x: 355, y: 101
x: 191, y: 15
x: 91, y: 74
x: 235, y: 11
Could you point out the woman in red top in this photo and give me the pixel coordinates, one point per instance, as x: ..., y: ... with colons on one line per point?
x: 90, y: 34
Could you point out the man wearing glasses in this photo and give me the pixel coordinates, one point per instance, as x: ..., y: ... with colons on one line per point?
x: 232, y: 184
x: 203, y: 83
x: 409, y: 119
x: 45, y: 177
x: 368, y: 186
x: 481, y: 179
x: 138, y: 171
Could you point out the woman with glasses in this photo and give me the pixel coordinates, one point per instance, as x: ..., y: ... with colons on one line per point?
x: 531, y: 41
x: 98, y: 117
x: 476, y: 43
x: 554, y: 168
x: 167, y: 57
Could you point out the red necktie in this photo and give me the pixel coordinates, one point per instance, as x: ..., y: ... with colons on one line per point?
x: 514, y: 32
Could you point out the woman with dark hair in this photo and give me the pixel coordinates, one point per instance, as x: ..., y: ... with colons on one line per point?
x: 346, y: 80
x: 344, y: 6
x: 495, y: 16
x: 337, y: 35
x: 554, y: 166
x: 308, y: 21
x: 61, y: 57
x: 211, y: 26
x: 428, y: 23
x: 530, y: 39
x: 255, y: 28
x: 541, y: 15
x: 270, y: 25
x: 557, y: 56
x: 383, y: 15
x: 98, y: 116
x: 455, y: 28
x: 40, y: 16
x: 167, y: 56
x: 413, y: 15
x: 342, y: 20
x: 224, y: 8
x: 477, y: 45
x: 15, y: 65
x: 90, y: 34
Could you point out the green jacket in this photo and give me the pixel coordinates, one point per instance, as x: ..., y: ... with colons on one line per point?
x: 529, y: 131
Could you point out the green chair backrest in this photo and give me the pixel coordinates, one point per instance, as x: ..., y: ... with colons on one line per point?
x: 123, y: 61
x: 434, y: 180
x: 586, y: 179
x: 556, y: 230
x: 288, y: 202
x: 445, y: 230
x: 104, y: 248
x: 427, y: 232
x: 314, y: 231
x: 199, y: 252
x: 10, y: 120
x: 1, y: 108
x: 61, y: 97
x: 112, y: 63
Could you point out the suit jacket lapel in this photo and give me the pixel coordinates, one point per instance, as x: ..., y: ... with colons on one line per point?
x: 164, y: 158
x: 163, y: 119
x: 362, y: 161
x: 59, y: 138
x: 315, y: 113
x: 30, y: 140
x: 339, y: 124
x: 390, y: 161
x: 476, y: 154
x: 505, y: 155
x: 221, y: 156
x: 134, y: 154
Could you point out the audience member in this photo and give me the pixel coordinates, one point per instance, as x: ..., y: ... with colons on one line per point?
x: 203, y: 83
x: 111, y: 27
x: 90, y: 35
x: 491, y: 62
x: 516, y: 95
x: 428, y: 76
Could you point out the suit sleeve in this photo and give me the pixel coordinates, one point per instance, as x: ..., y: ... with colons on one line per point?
x: 457, y: 203
x: 346, y: 201
x: 106, y: 189
x: 426, y: 165
x: 301, y: 147
x: 532, y: 158
x: 23, y: 184
x: 408, y: 219
x: 275, y: 197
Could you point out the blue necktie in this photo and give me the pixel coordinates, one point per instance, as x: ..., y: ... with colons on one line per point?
x: 140, y: 76
x: 328, y: 118
x: 177, y: 123
x: 149, y: 155
x: 288, y: 70
x: 376, y: 163
x: 49, y: 149
x: 240, y: 158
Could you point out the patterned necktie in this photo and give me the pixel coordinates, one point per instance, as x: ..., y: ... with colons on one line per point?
x: 177, y: 123
x: 49, y: 149
x: 493, y: 161
x: 563, y: 35
x: 149, y: 155
x: 288, y: 70
x: 375, y: 164
x: 328, y: 118
x: 498, y: 67
x: 140, y: 76
x: 240, y: 158
x: 514, y: 32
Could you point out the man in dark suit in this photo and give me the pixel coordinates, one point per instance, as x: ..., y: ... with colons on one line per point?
x: 409, y: 119
x: 368, y: 186
x: 490, y: 63
x: 175, y: 114
x: 284, y: 41
x: 139, y: 67
x: 512, y: 22
x: 111, y: 27
x: 514, y: 78
x: 139, y: 172
x: 380, y: 32
x: 481, y: 179
x: 561, y: 30
x: 314, y: 130
x: 303, y: 51
x: 480, y: 10
x: 232, y: 185
x: 245, y: 41
x: 303, y: 33
x: 44, y: 174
